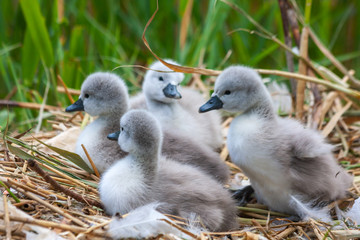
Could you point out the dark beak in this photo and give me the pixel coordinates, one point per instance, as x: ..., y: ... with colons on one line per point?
x: 213, y: 103
x: 76, y: 106
x: 114, y: 136
x: 171, y: 91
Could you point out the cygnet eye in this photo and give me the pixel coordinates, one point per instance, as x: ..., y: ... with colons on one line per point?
x: 161, y: 78
x: 122, y: 129
x: 87, y: 95
x: 227, y: 92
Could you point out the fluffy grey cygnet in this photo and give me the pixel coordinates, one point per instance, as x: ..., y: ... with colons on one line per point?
x: 104, y: 95
x: 144, y: 177
x: 284, y: 160
x: 177, y: 108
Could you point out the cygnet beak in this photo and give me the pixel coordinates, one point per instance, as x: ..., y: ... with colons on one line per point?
x: 114, y: 136
x: 213, y: 103
x: 171, y: 91
x: 76, y: 106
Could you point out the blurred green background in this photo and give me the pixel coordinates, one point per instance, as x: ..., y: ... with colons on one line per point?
x: 40, y: 39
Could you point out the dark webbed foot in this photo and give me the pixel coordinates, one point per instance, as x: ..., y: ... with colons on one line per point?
x: 243, y: 195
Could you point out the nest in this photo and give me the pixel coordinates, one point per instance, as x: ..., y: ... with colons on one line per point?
x: 43, y: 182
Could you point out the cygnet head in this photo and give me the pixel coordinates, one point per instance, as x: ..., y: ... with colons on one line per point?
x: 102, y: 93
x: 140, y: 132
x: 161, y: 86
x: 237, y: 89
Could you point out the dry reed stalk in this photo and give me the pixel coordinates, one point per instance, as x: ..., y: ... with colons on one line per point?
x: 331, y: 124
x: 23, y: 202
x: 301, y: 224
x: 91, y: 161
x: 17, y: 184
x: 185, y: 23
x: 346, y: 234
x: 224, y: 153
x: 26, y: 105
x: 300, y: 90
x: 65, y: 88
x: 97, y: 219
x: 69, y: 90
x: 303, y: 232
x: 70, y: 165
x: 11, y: 163
x: 70, y: 179
x: 172, y: 66
x: 326, y: 105
x: 340, y: 88
x: 35, y: 167
x: 94, y: 228
x: 179, y: 228
x: 333, y: 59
x: 7, y: 218
x: 227, y: 122
x: 48, y: 224
x: 356, y: 188
x: 314, y: 224
x: 261, y: 229
x: 233, y: 166
x: 51, y: 207
x: 68, y: 93
x: 284, y: 7
x: 284, y: 234
x: 343, y: 141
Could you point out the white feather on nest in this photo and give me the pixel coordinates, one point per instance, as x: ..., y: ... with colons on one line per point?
x: 306, y: 211
x: 145, y: 222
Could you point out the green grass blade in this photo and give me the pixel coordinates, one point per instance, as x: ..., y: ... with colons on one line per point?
x: 30, y: 59
x: 36, y: 26
x: 11, y: 193
x: 73, y: 157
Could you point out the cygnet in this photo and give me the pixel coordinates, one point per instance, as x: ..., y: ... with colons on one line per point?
x: 176, y: 108
x: 144, y: 177
x: 104, y: 95
x: 287, y: 164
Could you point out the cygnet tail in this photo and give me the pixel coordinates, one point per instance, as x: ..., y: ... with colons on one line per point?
x: 144, y: 222
x: 306, y: 210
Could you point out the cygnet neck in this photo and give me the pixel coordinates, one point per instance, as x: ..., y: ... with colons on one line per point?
x: 263, y: 108
x: 112, y: 118
x: 167, y: 108
x: 147, y: 161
